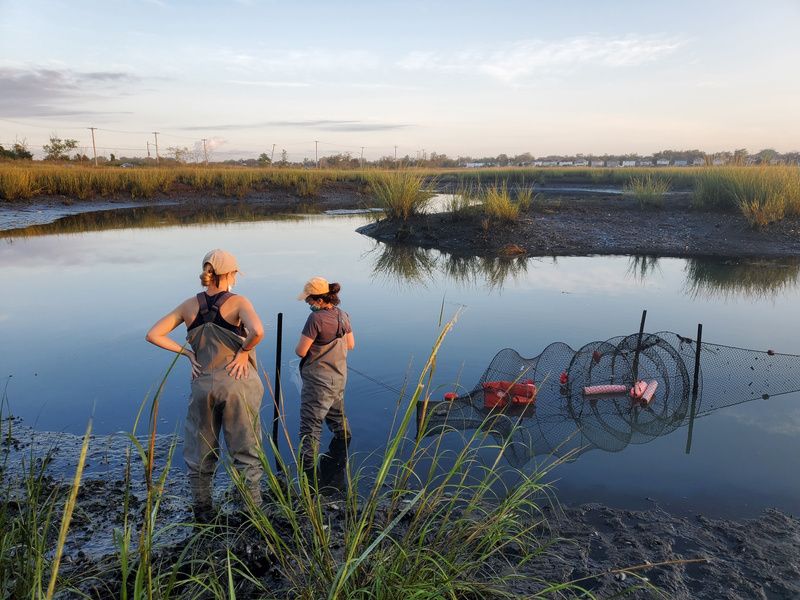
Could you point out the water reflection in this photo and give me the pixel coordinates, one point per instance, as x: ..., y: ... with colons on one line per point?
x: 403, y: 264
x: 764, y: 278
x: 583, y: 399
x: 183, y: 215
x: 641, y: 267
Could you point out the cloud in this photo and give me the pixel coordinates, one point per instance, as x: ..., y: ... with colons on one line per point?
x: 522, y: 59
x: 319, y: 124
x: 270, y: 83
x: 43, y: 91
x: 787, y: 423
x: 303, y: 60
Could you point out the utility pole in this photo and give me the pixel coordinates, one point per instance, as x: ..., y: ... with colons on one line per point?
x: 94, y: 148
x: 148, y: 148
x: 362, y: 157
x: 205, y: 151
x: 395, y: 154
x: 272, y: 156
x: 155, y: 133
x: 316, y: 152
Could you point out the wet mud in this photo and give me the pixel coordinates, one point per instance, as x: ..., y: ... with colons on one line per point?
x: 647, y: 554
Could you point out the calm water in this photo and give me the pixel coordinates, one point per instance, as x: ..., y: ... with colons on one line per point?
x: 77, y: 307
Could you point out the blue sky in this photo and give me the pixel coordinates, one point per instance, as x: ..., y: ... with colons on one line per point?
x: 461, y: 78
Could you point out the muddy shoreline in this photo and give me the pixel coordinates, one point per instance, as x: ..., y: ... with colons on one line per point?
x: 739, y: 558
x: 580, y: 225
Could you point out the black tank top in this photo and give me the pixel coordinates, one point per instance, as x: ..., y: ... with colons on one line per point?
x: 209, y: 313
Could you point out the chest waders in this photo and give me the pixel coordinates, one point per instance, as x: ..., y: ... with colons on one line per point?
x: 219, y: 401
x: 324, y: 375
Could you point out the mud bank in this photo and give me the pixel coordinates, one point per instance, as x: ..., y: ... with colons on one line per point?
x: 597, y: 224
x: 753, y: 558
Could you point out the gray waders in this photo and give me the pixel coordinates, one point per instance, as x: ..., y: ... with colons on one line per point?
x: 222, y: 402
x: 324, y: 374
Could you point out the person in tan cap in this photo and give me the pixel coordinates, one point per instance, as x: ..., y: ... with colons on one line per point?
x: 222, y: 331
x: 324, y: 342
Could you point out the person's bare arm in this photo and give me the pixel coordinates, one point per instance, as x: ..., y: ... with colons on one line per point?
x: 158, y: 335
x: 240, y: 366
x: 303, y: 346
x: 351, y: 340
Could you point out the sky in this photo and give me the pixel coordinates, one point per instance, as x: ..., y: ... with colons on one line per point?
x: 461, y: 78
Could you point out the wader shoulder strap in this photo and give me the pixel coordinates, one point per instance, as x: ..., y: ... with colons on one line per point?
x: 208, y: 314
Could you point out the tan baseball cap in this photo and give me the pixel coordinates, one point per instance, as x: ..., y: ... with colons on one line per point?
x: 221, y: 261
x: 314, y: 287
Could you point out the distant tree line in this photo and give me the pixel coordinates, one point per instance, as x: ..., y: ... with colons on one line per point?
x: 61, y: 149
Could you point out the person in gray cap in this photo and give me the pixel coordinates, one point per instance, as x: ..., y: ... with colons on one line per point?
x: 222, y: 331
x: 323, y: 346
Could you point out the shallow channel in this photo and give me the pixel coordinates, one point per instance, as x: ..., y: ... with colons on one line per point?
x: 78, y: 305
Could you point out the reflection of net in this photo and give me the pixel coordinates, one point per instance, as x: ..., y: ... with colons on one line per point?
x: 564, y: 420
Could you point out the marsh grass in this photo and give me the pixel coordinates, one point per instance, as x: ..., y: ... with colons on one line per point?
x: 498, y: 204
x: 400, y: 193
x: 648, y: 190
x: 762, y: 194
x: 84, y: 182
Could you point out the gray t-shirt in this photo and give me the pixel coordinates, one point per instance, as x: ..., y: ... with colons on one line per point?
x: 324, y: 326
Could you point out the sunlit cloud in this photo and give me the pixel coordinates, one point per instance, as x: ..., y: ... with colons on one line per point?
x: 519, y: 60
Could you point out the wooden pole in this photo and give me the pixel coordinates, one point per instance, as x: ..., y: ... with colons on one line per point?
x: 277, y: 400
x: 695, y: 386
x: 94, y: 148
x: 155, y: 133
x: 638, y: 348
x: 205, y: 151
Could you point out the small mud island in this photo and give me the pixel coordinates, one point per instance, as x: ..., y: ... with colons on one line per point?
x: 562, y: 224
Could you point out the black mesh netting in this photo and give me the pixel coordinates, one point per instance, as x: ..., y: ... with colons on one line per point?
x: 563, y: 421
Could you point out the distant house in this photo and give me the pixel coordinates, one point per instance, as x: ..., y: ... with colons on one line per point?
x: 549, y: 163
x: 598, y: 163
x: 662, y: 162
x: 581, y: 163
x: 628, y: 163
x: 538, y: 163
x: 698, y: 162
x: 612, y: 164
x: 565, y: 163
x: 681, y: 163
x: 474, y: 165
x: 718, y: 162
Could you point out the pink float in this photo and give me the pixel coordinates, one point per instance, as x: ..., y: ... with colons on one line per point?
x: 597, y: 390
x: 648, y: 393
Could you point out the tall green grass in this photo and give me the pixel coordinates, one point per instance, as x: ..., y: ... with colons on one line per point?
x: 401, y: 193
x: 648, y: 190
x: 762, y: 194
